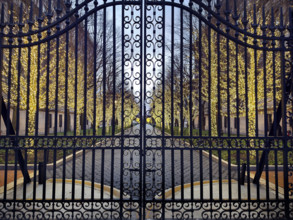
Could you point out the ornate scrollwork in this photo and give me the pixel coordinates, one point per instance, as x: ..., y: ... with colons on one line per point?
x: 219, y: 210
x: 67, y: 210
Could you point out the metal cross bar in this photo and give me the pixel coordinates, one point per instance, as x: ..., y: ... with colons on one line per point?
x: 22, y: 163
x: 273, y: 131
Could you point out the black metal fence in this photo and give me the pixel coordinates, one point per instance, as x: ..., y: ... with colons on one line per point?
x: 146, y: 110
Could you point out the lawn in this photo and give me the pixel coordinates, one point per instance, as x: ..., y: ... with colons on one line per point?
x: 236, y: 149
x: 61, y: 146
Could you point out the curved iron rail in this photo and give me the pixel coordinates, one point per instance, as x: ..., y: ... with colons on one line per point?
x: 190, y: 8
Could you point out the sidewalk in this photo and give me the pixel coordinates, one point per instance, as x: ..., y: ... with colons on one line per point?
x: 59, y: 190
x: 272, y: 177
x: 10, y: 176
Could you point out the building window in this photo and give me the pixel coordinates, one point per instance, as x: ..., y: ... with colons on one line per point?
x: 270, y: 121
x: 60, y: 121
x: 225, y: 122
x: 235, y: 123
x: 50, y: 120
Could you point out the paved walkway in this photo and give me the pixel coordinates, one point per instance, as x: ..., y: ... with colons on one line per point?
x: 169, y: 172
x: 160, y: 174
x: 131, y: 210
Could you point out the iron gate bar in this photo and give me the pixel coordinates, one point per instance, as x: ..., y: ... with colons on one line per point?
x: 227, y: 14
x: 163, y: 105
x: 143, y: 112
x: 209, y: 96
x: 122, y: 110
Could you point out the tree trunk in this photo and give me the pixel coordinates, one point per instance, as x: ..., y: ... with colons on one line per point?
x: 81, y: 121
x: 1, y: 68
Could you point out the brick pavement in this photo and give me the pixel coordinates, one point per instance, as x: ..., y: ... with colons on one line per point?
x: 105, y: 166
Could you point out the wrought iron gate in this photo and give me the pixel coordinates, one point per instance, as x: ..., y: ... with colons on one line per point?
x: 146, y: 110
